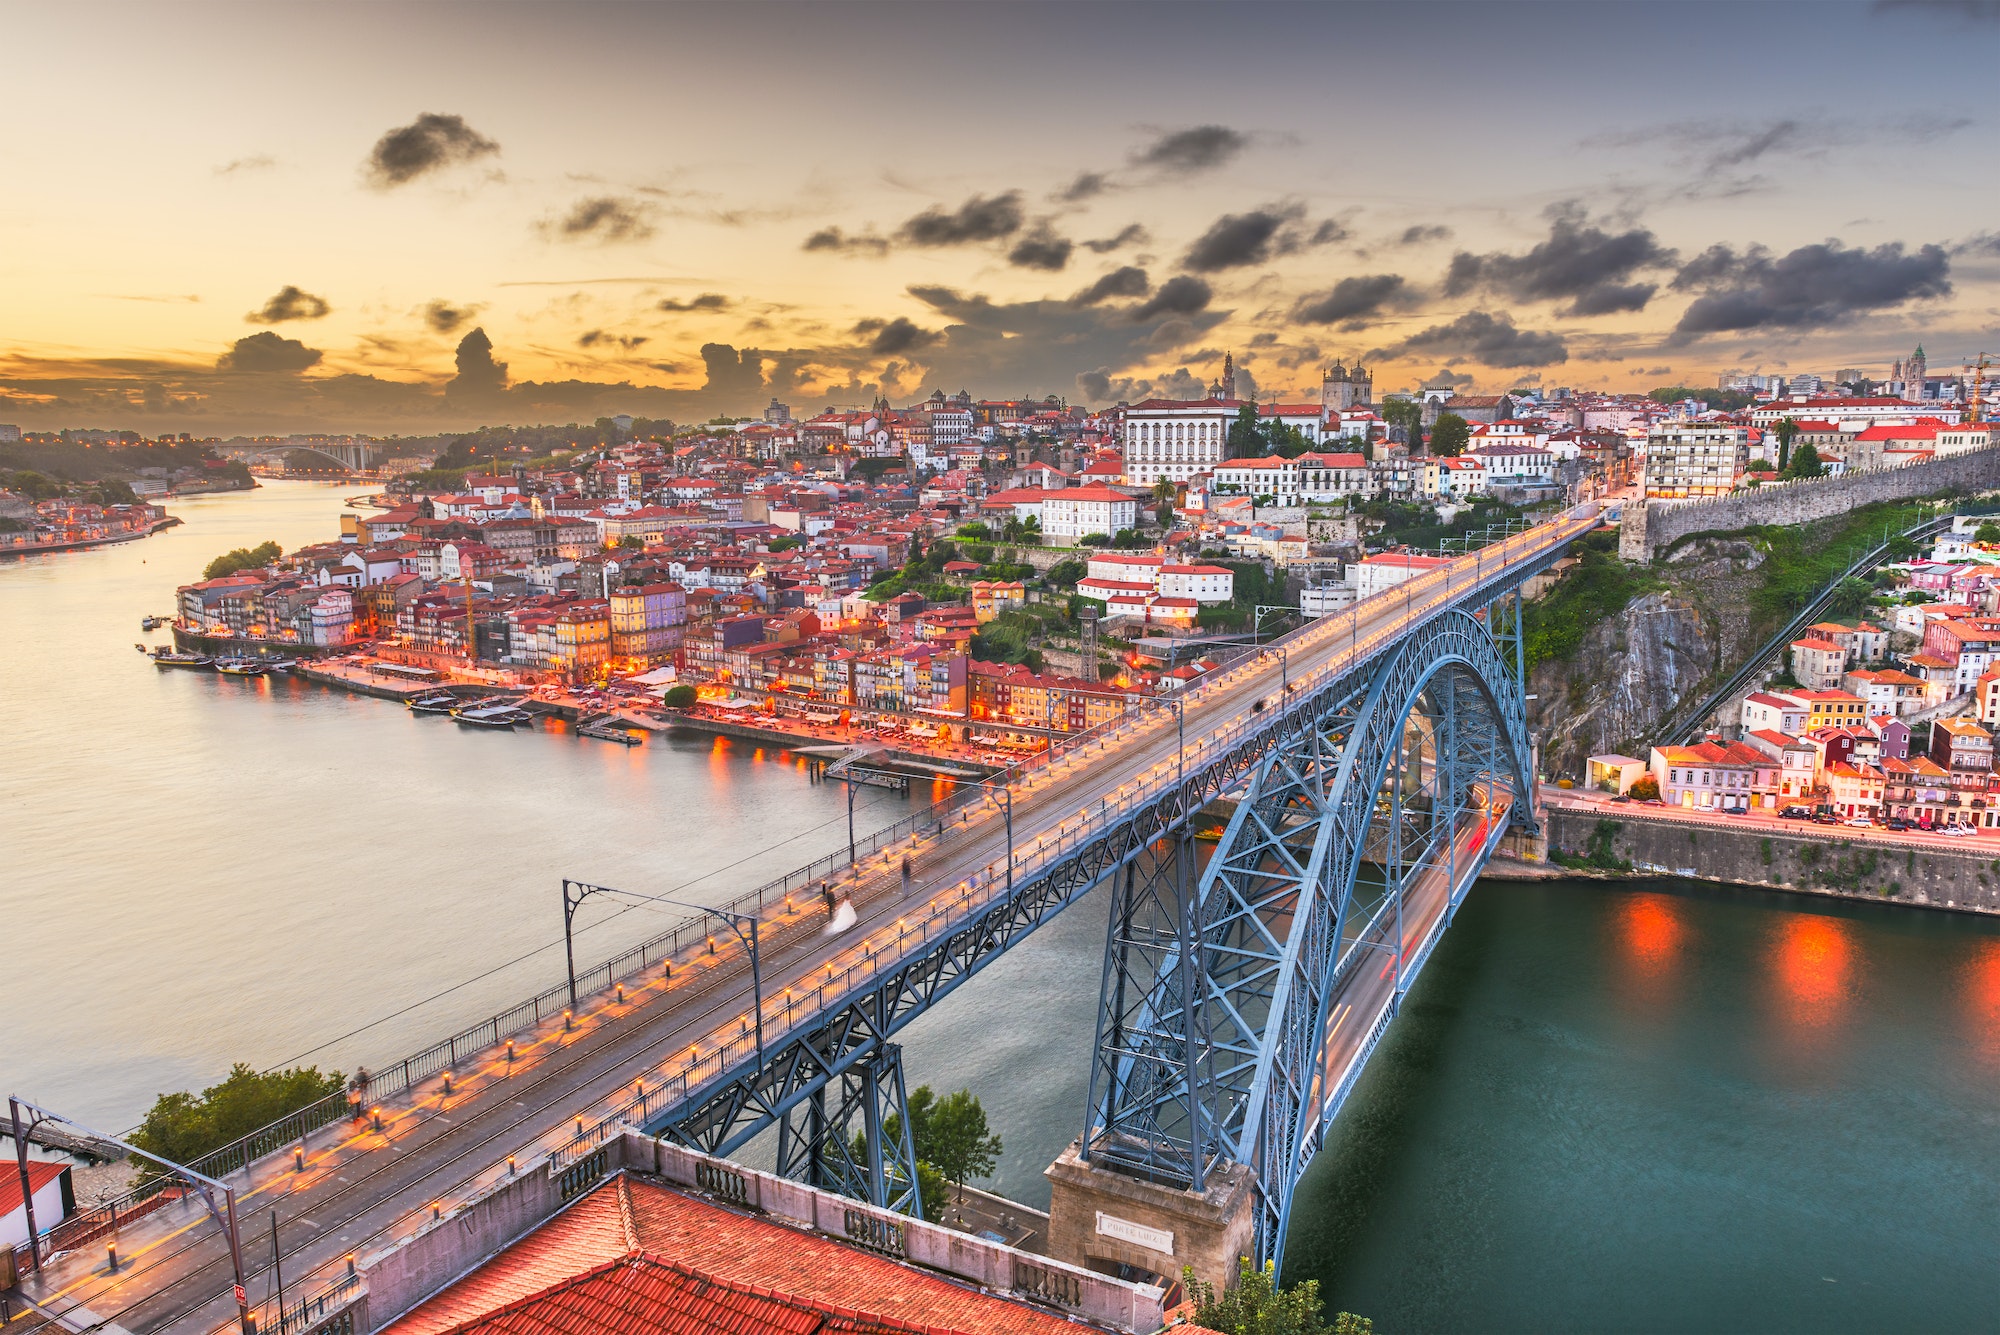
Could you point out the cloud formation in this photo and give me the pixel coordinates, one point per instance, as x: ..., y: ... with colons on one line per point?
x: 289, y: 304
x: 593, y: 338
x: 1238, y: 239
x: 833, y: 239
x: 1193, y: 150
x: 1422, y: 234
x: 1350, y: 299
x: 707, y: 301
x: 480, y: 376
x: 1180, y: 295
x: 977, y: 219
x: 1129, y: 234
x: 268, y: 352
x: 444, y: 318
x: 887, y: 338
x: 605, y: 219
x: 430, y: 143
x: 1483, y: 337
x: 1129, y: 281
x: 1590, y: 268
x: 1087, y: 185
x: 258, y: 162
x: 1807, y: 288
x: 1041, y: 249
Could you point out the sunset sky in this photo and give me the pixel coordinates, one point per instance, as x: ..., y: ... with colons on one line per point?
x: 266, y: 217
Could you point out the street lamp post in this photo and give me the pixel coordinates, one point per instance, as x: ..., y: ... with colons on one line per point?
x: 575, y: 892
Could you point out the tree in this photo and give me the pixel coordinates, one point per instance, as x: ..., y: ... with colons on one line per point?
x: 1850, y: 596
x: 1806, y: 463
x: 1163, y: 513
x: 680, y: 697
x: 243, y: 558
x: 1408, y: 414
x: 1094, y: 540
x: 1065, y: 574
x: 1987, y: 534
x: 1164, y: 491
x: 1448, y: 437
x: 184, y: 1126
x: 1786, y: 430
x: 1257, y: 1306
x: 975, y: 530
x: 960, y: 1145
x: 1645, y: 788
x: 1246, y: 437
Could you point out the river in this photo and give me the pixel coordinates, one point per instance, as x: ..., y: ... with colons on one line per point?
x: 1603, y: 1108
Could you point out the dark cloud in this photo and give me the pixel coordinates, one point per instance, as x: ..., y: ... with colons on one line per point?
x: 832, y: 238
x: 479, y: 376
x: 1983, y: 244
x: 1423, y: 235
x: 1446, y: 379
x: 261, y: 162
x: 593, y: 338
x: 888, y: 338
x: 427, y: 144
x: 977, y: 219
x: 1041, y: 249
x: 1590, y: 268
x: 731, y: 373
x: 1350, y: 299
x: 1238, y: 239
x: 1193, y: 150
x: 1181, y: 295
x: 445, y: 318
x: 1085, y: 186
x: 1130, y: 234
x: 1130, y: 281
x: 603, y: 218
x: 707, y: 301
x: 1491, y: 340
x: 268, y: 352
x: 289, y: 304
x: 1808, y: 288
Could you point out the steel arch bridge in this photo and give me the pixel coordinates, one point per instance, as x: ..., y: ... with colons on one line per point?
x: 1220, y: 980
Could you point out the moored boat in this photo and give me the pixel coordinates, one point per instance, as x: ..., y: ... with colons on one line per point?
x: 175, y: 658
x: 494, y: 716
x: 442, y: 703
x: 241, y: 667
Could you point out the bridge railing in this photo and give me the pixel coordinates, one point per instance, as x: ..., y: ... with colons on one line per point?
x: 685, y: 938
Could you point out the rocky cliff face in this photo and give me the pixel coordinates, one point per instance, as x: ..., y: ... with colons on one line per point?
x: 1636, y: 669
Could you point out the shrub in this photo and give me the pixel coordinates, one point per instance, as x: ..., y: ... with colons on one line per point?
x: 680, y: 697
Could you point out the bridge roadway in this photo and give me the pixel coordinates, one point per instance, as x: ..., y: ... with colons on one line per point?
x: 363, y: 1189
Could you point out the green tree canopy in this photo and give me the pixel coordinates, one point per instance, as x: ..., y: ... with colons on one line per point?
x: 1246, y: 438
x: 1805, y: 463
x: 243, y: 558
x: 1850, y: 596
x: 680, y: 697
x: 1786, y: 431
x: 1987, y: 533
x: 951, y: 1134
x: 1257, y: 1306
x: 183, y: 1127
x: 1449, y: 436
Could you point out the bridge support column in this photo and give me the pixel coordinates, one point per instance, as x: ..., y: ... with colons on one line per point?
x: 1117, y: 1224
x: 853, y: 1136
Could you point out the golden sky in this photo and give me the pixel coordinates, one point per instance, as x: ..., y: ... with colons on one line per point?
x: 256, y: 217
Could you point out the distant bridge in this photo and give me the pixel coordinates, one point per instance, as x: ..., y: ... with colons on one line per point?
x: 1354, y: 775
x: 355, y: 456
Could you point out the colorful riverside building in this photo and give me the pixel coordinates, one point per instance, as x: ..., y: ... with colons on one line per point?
x: 648, y: 622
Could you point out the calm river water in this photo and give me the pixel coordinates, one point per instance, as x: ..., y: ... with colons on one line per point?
x: 1683, y: 1108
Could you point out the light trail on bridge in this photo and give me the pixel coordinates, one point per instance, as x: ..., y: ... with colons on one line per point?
x: 673, y: 1032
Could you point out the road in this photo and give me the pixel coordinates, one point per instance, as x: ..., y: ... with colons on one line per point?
x: 363, y: 1188
x: 1577, y: 799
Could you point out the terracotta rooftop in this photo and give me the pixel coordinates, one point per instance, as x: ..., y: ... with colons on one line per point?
x: 635, y: 1256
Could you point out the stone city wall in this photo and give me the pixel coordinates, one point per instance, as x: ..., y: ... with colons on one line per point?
x: 1820, y: 859
x: 1650, y: 528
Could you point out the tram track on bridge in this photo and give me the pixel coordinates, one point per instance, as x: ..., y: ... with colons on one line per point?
x: 559, y: 1084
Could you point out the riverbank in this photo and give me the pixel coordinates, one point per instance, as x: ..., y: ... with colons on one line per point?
x: 1642, y: 843
x: 81, y: 544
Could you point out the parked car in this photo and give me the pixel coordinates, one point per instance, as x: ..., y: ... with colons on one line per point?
x: 1825, y: 818
x: 1861, y: 823
x: 1896, y: 823
x: 1796, y: 813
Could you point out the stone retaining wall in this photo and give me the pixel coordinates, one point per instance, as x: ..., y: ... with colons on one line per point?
x: 1650, y: 528
x: 1817, y: 860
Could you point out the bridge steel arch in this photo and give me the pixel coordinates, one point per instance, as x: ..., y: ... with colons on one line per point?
x: 1214, y: 1013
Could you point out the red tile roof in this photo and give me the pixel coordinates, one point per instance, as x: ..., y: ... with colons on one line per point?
x: 40, y: 1173
x: 636, y: 1256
